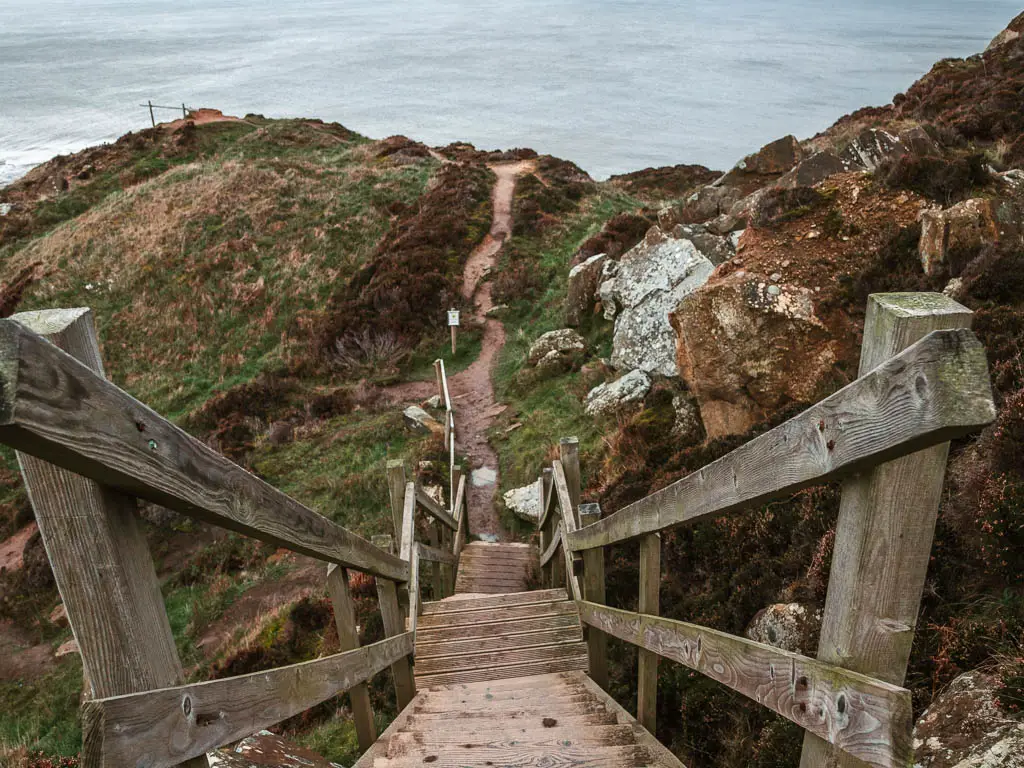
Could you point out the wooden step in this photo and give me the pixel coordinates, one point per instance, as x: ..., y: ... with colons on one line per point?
x: 520, y: 756
x: 427, y: 650
x: 534, y: 683
x: 504, y: 616
x: 500, y: 735
x: 503, y: 698
x: 456, y: 604
x: 496, y: 628
x: 454, y: 722
x: 511, y: 670
x: 486, y: 659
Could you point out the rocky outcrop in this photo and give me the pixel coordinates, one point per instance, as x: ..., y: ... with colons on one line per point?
x: 777, y: 157
x: 650, y: 281
x: 962, y: 229
x: 524, y: 502
x: 965, y: 728
x: 789, y: 626
x: 584, y: 280
x: 717, y: 248
x: 1008, y: 35
x: 616, y: 396
x: 740, y: 342
x: 871, y: 148
x: 555, y: 344
x: 816, y: 169
x: 687, y: 427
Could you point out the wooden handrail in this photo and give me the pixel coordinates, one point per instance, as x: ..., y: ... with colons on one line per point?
x: 568, y: 523
x: 867, y: 718
x: 54, y: 407
x: 462, y: 513
x: 435, y: 509
x: 552, y: 548
x: 163, y: 727
x: 936, y: 390
x: 434, y: 555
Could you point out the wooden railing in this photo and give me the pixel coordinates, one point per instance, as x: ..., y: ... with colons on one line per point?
x: 923, y: 381
x: 88, y: 450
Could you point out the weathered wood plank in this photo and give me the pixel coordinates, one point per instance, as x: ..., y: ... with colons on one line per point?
x: 552, y: 548
x: 394, y: 625
x: 522, y: 757
x: 462, y: 605
x: 569, y: 455
x: 547, y: 496
x: 507, y: 670
x: 497, y: 643
x: 163, y: 727
x: 936, y: 390
x: 434, y: 555
x: 568, y: 522
x: 594, y: 592
x: 509, y: 736
x: 414, y: 589
x: 98, y: 553
x: 407, y: 541
x: 504, y: 616
x: 444, y: 388
x: 495, y: 629
x: 58, y: 409
x: 647, y: 662
x: 348, y: 640
x: 444, y: 723
x: 867, y: 718
x: 438, y: 512
x: 396, y: 496
x: 454, y: 662
x: 885, y: 527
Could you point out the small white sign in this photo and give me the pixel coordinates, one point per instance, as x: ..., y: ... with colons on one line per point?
x: 453, y: 317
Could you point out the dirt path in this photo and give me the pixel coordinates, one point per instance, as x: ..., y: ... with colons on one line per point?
x: 473, y: 389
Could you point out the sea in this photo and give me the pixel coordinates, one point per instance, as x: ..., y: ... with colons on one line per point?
x: 613, y: 86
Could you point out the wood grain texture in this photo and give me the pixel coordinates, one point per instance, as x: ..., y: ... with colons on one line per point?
x: 495, y: 629
x: 463, y: 512
x: 498, y: 601
x: 394, y: 625
x: 163, y: 727
x: 505, y: 615
x: 503, y: 642
x: 594, y: 592
x: 414, y: 589
x: 348, y: 640
x: 935, y: 390
x: 867, y: 718
x: 650, y: 604
x: 885, y: 527
x: 553, y: 547
x: 569, y: 455
x: 568, y: 522
x: 575, y: 662
x: 98, y: 553
x: 396, y: 496
x: 438, y: 512
x: 509, y: 736
x: 522, y: 756
x: 56, y: 408
x: 434, y: 555
x: 484, y: 660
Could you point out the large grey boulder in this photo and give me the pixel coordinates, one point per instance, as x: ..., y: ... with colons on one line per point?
x: 615, y: 396
x: 652, y: 279
x: 871, y: 147
x: 966, y: 728
x: 563, y: 342
x: 718, y: 248
x: 524, y: 502
x: 584, y: 280
x: 964, y: 227
x: 419, y: 420
x: 816, y: 169
x: 789, y: 626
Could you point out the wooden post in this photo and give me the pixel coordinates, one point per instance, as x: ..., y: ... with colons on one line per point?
x: 436, y: 573
x: 453, y: 341
x: 396, y: 491
x: 184, y: 113
x: 569, y: 453
x: 348, y: 638
x: 384, y: 541
x: 885, y: 528
x: 99, y: 555
x: 440, y: 381
x: 647, y: 666
x: 152, y: 117
x: 594, y: 592
x: 547, y: 485
x: 394, y: 624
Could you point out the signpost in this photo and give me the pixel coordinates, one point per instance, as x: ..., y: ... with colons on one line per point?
x: 453, y: 323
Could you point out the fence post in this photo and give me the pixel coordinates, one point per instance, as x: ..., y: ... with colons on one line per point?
x: 396, y: 492
x: 152, y: 117
x: 594, y: 592
x: 885, y: 527
x: 647, y: 664
x: 100, y: 558
x: 184, y: 114
x: 440, y: 382
x: 548, y: 531
x: 348, y: 638
x: 569, y: 453
x: 394, y: 624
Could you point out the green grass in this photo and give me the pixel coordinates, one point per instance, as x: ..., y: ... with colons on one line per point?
x: 42, y: 715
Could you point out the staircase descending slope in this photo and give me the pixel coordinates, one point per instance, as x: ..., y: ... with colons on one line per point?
x: 486, y: 568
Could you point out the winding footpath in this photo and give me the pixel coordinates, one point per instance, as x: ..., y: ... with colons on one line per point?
x: 472, y: 390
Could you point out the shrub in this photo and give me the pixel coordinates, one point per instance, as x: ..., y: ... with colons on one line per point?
x: 939, y: 179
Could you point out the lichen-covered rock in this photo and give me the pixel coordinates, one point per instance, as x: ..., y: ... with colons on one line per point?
x: 777, y: 157
x: 581, y: 294
x: 524, y: 502
x: 1008, y: 35
x: 267, y: 749
x: 740, y: 340
x: 963, y: 228
x: 717, y: 248
x: 564, y: 341
x: 965, y: 728
x: 687, y: 427
x: 816, y: 169
x: 871, y: 147
x: 789, y: 626
x: 613, y: 397
x: 419, y: 420
x: 652, y: 279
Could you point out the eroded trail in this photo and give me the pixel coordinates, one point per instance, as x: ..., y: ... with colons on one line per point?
x: 473, y: 389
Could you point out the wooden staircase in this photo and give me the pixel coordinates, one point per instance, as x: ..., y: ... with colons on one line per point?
x: 486, y: 568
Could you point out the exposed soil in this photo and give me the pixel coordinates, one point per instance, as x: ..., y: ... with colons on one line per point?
x: 472, y: 389
x: 12, y: 551
x: 20, y: 658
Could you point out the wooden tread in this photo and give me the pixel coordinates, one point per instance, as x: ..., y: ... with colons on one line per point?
x: 496, y: 568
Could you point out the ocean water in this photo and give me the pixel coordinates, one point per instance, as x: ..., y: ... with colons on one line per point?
x: 614, y: 86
